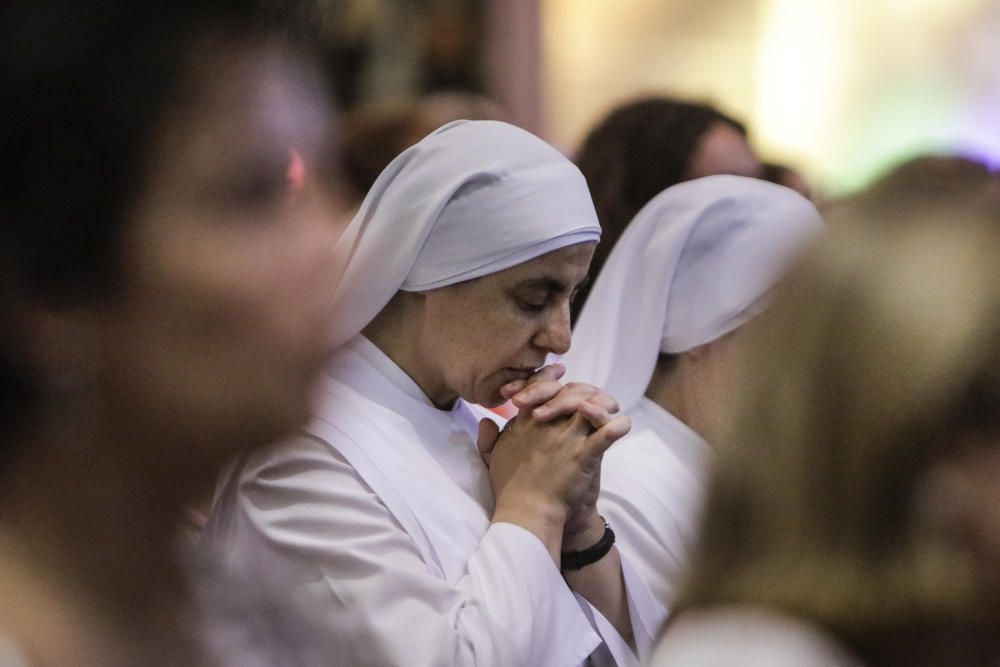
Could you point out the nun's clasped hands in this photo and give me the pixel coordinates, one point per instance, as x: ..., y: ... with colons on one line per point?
x: 562, y: 432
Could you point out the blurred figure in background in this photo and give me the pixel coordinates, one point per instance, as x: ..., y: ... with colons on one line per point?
x: 854, y: 513
x: 149, y: 242
x: 645, y: 146
x: 379, y: 50
x: 784, y: 175
x: 660, y: 330
x: 372, y: 136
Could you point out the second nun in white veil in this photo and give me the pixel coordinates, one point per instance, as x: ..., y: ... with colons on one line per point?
x: 695, y: 264
x: 457, y: 275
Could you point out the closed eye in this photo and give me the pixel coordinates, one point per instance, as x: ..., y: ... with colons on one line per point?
x: 576, y: 290
x: 534, y: 296
x: 530, y: 306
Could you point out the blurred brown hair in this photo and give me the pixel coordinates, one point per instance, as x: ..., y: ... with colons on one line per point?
x: 875, y: 363
x: 928, y: 180
x: 372, y: 136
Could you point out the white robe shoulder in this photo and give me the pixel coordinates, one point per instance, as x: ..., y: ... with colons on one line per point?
x: 744, y: 637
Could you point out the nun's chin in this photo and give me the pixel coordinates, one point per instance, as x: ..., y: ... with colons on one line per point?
x: 487, y: 399
x: 487, y: 395
x: 494, y: 402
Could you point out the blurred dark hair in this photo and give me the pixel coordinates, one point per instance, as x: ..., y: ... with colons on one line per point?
x: 787, y: 176
x: 84, y: 87
x: 877, y: 363
x: 638, y: 150
x: 371, y: 136
x: 774, y: 172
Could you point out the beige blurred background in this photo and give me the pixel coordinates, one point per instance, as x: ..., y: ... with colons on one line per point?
x: 840, y: 89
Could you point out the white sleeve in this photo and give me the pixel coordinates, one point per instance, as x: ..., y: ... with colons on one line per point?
x: 302, y: 509
x: 646, y: 614
x: 652, y: 503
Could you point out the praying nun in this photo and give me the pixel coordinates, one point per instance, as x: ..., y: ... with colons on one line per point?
x: 457, y: 273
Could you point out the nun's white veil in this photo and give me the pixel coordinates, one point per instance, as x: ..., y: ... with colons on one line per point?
x: 694, y: 264
x: 471, y: 199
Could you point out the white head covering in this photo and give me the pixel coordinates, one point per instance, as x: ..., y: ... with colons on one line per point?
x: 471, y: 199
x: 693, y: 265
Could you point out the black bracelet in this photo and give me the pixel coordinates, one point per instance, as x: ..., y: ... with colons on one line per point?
x: 575, y: 560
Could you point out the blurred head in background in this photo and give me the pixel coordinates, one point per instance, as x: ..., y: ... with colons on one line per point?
x: 929, y: 179
x: 789, y: 177
x: 165, y: 283
x: 645, y: 146
x: 373, y: 135
x: 856, y: 484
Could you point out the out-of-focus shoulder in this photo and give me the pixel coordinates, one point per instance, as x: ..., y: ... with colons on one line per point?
x: 746, y: 637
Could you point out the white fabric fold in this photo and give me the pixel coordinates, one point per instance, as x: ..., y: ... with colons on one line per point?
x: 370, y: 517
x: 471, y: 199
x: 694, y: 264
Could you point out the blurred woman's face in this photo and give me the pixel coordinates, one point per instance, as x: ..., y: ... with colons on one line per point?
x: 723, y: 150
x: 963, y: 498
x: 223, y: 322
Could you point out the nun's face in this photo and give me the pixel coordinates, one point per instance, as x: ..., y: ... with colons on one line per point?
x: 482, y: 334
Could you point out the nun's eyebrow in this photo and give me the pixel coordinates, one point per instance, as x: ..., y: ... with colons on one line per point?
x: 548, y: 284
x: 551, y: 285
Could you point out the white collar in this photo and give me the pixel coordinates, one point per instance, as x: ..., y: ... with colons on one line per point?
x: 422, y: 462
x: 391, y: 371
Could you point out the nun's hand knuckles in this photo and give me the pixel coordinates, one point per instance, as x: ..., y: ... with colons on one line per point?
x: 552, y: 459
x: 549, y: 400
x: 536, y: 392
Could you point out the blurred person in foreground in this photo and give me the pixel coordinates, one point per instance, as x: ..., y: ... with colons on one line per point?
x: 642, y: 148
x: 929, y: 179
x: 854, y: 513
x: 660, y: 330
x: 149, y: 242
x: 460, y: 266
